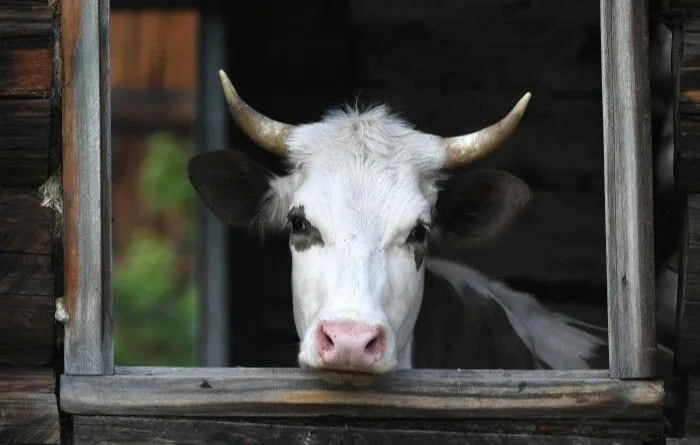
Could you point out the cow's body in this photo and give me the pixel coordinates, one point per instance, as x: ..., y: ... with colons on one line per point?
x: 470, y: 320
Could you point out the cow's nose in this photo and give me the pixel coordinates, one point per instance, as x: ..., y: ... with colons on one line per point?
x: 349, y: 346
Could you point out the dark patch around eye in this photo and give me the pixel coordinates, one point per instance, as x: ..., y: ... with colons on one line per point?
x: 418, y: 241
x: 419, y: 252
x: 303, y: 235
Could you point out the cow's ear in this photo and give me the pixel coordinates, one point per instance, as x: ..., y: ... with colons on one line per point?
x: 476, y: 205
x: 231, y: 184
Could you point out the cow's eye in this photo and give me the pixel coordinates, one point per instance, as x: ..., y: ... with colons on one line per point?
x: 419, y: 234
x: 299, y: 225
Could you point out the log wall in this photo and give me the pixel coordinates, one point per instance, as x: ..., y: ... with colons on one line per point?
x: 28, y: 285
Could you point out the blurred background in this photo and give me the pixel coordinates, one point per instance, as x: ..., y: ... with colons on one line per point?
x: 187, y: 291
x: 154, y: 71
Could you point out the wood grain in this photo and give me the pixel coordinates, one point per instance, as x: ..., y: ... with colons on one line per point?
x: 688, y: 307
x: 691, y: 246
x: 26, y: 331
x: 28, y: 412
x: 26, y: 274
x: 25, y: 23
x: 100, y: 429
x: 25, y: 226
x: 424, y: 393
x: 628, y: 188
x: 692, y: 413
x: 24, y: 142
x: 86, y: 183
x: 689, y: 5
x: 26, y: 72
x: 687, y: 162
x: 688, y: 336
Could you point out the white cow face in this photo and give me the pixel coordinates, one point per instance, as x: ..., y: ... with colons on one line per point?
x: 358, y: 202
x: 359, y: 209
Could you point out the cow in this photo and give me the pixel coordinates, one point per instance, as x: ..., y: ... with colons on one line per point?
x: 360, y: 203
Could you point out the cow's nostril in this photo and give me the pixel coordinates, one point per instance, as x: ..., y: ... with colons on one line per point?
x: 371, y: 345
x: 324, y: 341
x: 375, y: 346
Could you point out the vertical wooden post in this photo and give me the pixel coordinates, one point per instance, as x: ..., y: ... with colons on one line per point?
x: 213, y: 333
x: 86, y: 183
x: 628, y: 188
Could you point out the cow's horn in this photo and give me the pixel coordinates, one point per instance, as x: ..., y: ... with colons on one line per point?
x: 268, y: 133
x: 465, y: 149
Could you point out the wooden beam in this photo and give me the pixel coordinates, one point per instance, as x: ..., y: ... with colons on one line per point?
x: 27, y: 331
x: 271, y: 392
x: 213, y: 332
x: 690, y: 6
x: 25, y: 226
x: 628, y: 188
x: 28, y: 412
x: 26, y: 22
x: 26, y: 72
x: 691, y: 249
x: 688, y: 311
x: 26, y: 274
x: 687, y: 159
x: 24, y: 142
x: 129, y: 430
x: 86, y: 186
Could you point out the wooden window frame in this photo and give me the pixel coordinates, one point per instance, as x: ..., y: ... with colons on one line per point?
x: 628, y: 397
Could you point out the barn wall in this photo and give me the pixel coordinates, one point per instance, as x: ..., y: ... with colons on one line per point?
x: 29, y: 259
x: 687, y: 169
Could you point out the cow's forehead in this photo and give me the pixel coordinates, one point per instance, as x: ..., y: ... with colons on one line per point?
x: 374, y: 135
x: 363, y: 197
x: 368, y: 172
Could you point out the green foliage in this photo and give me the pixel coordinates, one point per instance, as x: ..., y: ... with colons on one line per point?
x: 154, y: 305
x: 163, y: 179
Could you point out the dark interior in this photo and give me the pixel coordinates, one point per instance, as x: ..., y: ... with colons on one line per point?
x: 450, y: 68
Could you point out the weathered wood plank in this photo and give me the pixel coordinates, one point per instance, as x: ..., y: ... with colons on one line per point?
x: 688, y: 335
x: 129, y: 430
x: 628, y: 188
x: 415, y: 393
x: 26, y: 274
x: 86, y: 183
x: 688, y: 308
x: 688, y: 154
x: 25, y: 226
x: 24, y: 22
x: 24, y: 142
x: 28, y: 412
x: 26, y: 48
x: 26, y: 331
x: 26, y: 71
x: 692, y: 413
x: 689, y: 5
x: 691, y: 249
x: 687, y: 162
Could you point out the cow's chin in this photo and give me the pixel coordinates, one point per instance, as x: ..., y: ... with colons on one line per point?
x: 312, y: 361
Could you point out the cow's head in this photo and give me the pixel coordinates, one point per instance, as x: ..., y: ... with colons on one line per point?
x: 359, y: 201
